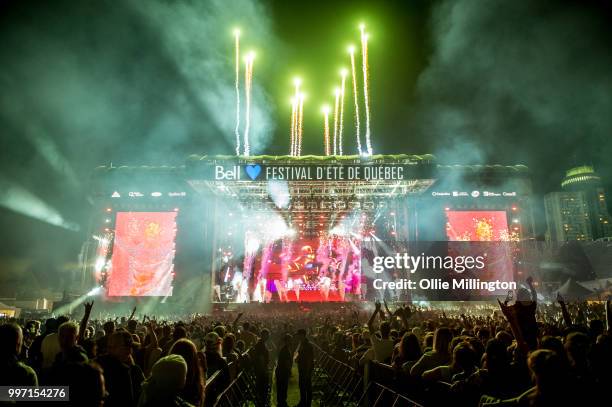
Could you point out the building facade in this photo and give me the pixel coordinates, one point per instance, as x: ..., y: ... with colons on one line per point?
x: 584, y: 179
x: 567, y: 216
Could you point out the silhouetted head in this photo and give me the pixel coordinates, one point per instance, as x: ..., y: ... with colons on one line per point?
x: 442, y: 339
x: 496, y: 355
x: 546, y: 370
x: 11, y: 339
x: 68, y: 333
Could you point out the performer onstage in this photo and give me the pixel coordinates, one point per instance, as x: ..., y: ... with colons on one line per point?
x: 344, y: 258
x: 223, y: 287
x: 272, y: 262
x: 258, y: 280
x: 217, y: 285
x: 238, y: 285
x: 325, y: 282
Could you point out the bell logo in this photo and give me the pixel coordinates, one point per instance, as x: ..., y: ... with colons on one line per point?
x: 116, y: 195
x: 229, y: 175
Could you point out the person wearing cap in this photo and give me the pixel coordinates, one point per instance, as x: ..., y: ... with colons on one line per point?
x: 214, y: 361
x: 122, y: 376
x: 168, y: 378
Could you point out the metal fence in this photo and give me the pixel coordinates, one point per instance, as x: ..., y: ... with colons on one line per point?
x: 337, y: 384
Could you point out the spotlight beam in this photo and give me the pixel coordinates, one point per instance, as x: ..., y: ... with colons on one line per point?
x: 18, y: 199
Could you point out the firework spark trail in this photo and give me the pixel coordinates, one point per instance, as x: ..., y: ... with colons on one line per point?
x: 366, y: 96
x: 293, y: 122
x: 356, y: 99
x: 295, y: 119
x: 326, y: 129
x: 336, y: 105
x: 341, y: 121
x: 300, y: 122
x: 247, y: 86
x: 237, y: 86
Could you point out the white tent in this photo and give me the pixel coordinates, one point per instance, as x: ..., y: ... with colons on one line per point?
x: 571, y: 290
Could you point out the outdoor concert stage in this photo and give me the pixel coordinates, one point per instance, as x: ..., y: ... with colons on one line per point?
x: 233, y: 229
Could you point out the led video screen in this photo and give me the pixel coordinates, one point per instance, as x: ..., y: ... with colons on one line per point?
x: 320, y: 269
x: 477, y: 226
x: 142, y: 262
x: 485, y: 233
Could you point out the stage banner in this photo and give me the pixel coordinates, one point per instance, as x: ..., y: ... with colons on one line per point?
x: 310, y: 172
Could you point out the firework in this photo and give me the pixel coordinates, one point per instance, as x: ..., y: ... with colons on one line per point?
x: 248, y: 78
x: 366, y: 95
x: 355, y: 98
x: 343, y: 73
x: 237, y: 86
x: 293, y: 124
x: 297, y: 82
x: 326, y: 128
x: 300, y: 121
x: 336, y: 106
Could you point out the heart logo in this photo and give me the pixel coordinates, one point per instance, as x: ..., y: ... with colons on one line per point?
x: 253, y: 171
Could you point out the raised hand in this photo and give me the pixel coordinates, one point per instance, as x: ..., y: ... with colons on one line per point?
x: 88, y: 306
x: 132, y: 315
x: 503, y: 307
x: 84, y: 321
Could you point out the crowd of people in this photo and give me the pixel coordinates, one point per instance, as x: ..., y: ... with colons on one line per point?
x: 519, y: 354
x: 130, y: 361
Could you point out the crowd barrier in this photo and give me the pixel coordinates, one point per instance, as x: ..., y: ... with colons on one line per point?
x: 337, y: 384
x: 240, y: 391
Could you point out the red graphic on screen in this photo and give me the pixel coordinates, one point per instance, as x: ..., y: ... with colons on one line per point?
x: 477, y: 226
x: 143, y: 254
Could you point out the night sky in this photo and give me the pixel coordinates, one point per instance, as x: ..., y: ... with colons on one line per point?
x: 133, y: 82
